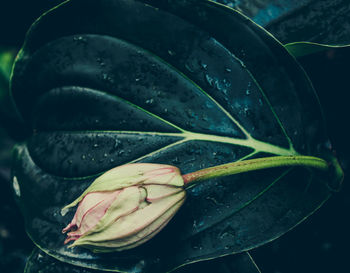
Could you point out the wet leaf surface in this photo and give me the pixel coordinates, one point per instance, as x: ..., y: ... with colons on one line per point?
x: 39, y: 262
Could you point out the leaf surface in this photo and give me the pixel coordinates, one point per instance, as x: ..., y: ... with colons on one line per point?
x: 39, y: 262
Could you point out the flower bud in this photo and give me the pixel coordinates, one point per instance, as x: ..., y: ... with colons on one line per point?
x: 125, y: 207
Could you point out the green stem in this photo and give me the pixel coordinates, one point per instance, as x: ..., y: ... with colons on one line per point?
x: 253, y: 165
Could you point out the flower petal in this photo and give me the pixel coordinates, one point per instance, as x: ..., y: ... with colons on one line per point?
x: 136, y: 227
x: 127, y: 202
x: 155, y: 192
x: 130, y: 175
x: 90, y: 210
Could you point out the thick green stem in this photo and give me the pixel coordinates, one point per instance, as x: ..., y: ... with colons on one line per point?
x: 253, y: 165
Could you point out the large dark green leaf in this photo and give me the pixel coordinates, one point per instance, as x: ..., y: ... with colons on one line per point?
x: 188, y: 83
x: 304, y: 49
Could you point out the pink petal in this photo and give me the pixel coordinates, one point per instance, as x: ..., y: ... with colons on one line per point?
x: 89, y: 212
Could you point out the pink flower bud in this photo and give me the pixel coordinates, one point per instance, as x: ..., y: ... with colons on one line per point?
x: 125, y: 207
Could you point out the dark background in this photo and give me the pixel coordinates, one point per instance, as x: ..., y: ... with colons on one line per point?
x: 317, y: 245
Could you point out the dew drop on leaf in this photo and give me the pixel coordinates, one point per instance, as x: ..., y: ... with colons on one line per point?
x: 171, y: 53
x: 15, y: 186
x: 204, y: 66
x: 149, y: 101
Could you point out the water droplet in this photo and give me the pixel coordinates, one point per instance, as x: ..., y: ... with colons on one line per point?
x: 149, y: 102
x: 210, y: 80
x: 228, y: 70
x: 95, y: 145
x: 100, y: 61
x: 137, y: 79
x: 246, y: 111
x: 111, y: 160
x: 261, y: 102
x: 107, y: 78
x: 70, y: 161
x: 200, y: 224
x: 226, y: 83
x: 204, y: 66
x: 248, y: 89
x: 105, y: 154
x: 79, y: 39
x: 16, y: 187
x: 116, y: 143
x: 83, y: 157
x: 171, y: 53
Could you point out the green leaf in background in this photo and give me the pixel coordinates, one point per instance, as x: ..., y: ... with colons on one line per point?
x: 188, y: 83
x: 320, y: 21
x: 302, y: 49
x: 6, y: 61
x: 10, y: 121
x: 264, y: 12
